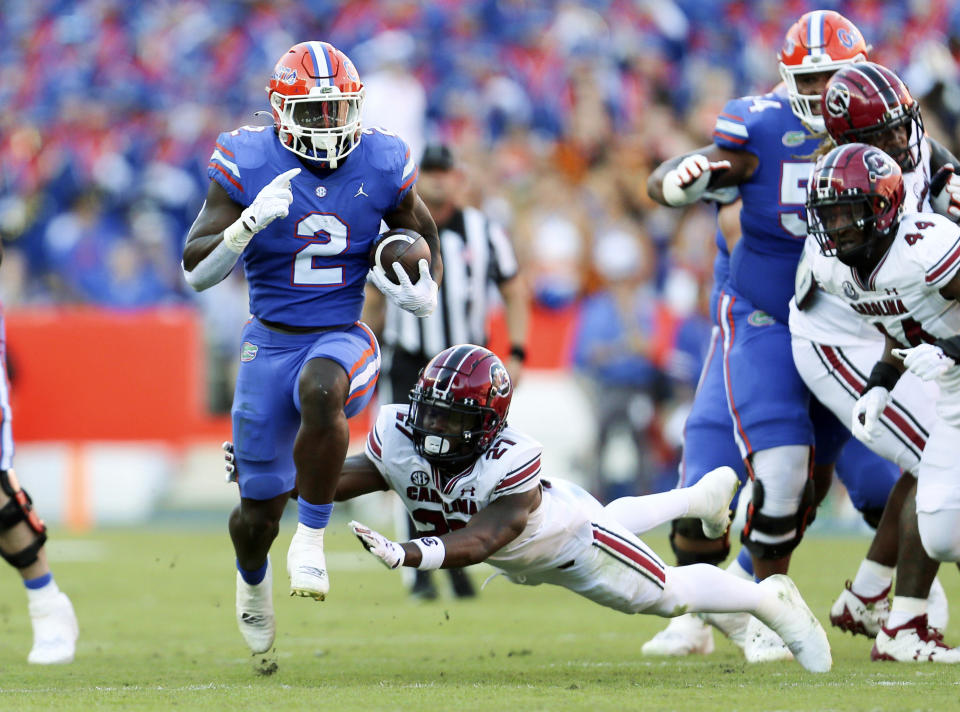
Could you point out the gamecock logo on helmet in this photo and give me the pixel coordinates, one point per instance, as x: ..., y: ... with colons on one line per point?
x: 878, y: 163
x: 838, y: 100
x: 499, y: 380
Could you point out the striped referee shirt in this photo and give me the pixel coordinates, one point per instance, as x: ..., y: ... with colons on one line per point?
x: 476, y: 253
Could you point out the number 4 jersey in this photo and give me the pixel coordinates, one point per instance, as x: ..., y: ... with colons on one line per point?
x: 555, y: 531
x: 901, y: 297
x: 773, y: 216
x: 309, y: 268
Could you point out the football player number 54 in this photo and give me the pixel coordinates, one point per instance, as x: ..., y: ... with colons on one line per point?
x: 793, y: 191
x: 328, y: 237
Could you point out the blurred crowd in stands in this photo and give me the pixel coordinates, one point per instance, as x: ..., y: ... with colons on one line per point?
x: 557, y: 110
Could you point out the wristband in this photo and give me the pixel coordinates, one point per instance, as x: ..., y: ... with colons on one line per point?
x: 950, y: 347
x: 884, y: 375
x: 432, y: 552
x: 519, y: 353
x: 237, y: 236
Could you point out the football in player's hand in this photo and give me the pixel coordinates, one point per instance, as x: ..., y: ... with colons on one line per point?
x: 404, y: 246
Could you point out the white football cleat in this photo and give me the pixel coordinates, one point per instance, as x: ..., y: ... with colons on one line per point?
x: 55, y: 631
x: 938, y: 607
x: 684, y: 635
x: 255, y: 612
x: 789, y: 617
x: 732, y: 625
x: 913, y: 642
x: 710, y: 500
x: 306, y: 565
x: 860, y: 615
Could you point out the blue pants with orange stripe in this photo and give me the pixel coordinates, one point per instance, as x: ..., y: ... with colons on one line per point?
x: 266, y: 401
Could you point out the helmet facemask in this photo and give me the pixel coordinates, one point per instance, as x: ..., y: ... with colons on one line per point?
x: 450, y: 433
x: 844, y: 223
x: 807, y: 107
x: 321, y: 126
x: 883, y: 136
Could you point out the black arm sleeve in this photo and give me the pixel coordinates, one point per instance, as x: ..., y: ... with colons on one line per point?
x: 940, y: 156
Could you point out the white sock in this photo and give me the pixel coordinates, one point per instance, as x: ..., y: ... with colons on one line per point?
x: 314, y: 535
x: 641, y: 514
x: 702, y: 588
x: 39, y: 595
x: 872, y: 579
x: 905, y: 609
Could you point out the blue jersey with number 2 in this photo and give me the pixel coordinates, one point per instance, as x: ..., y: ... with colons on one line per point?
x: 773, y: 219
x: 309, y: 268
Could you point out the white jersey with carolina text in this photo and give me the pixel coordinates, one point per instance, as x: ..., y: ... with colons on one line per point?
x: 554, y: 531
x: 901, y: 297
x: 827, y: 320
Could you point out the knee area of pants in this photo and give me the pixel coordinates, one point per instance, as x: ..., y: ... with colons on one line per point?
x: 940, y: 536
x: 942, y: 550
x: 783, y: 472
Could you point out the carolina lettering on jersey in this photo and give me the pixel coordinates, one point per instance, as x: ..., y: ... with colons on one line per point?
x: 919, y: 312
x: 886, y: 307
x: 773, y: 216
x: 428, y: 494
x: 309, y: 269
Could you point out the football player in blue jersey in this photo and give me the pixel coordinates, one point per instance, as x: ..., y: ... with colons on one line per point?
x: 301, y: 202
x: 761, y: 146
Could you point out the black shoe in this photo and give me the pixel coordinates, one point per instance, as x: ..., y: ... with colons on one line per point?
x: 423, y: 587
x: 462, y: 585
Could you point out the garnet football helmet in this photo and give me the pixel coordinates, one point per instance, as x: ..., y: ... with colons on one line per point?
x: 316, y: 96
x: 459, y: 405
x: 867, y: 103
x: 820, y: 41
x: 854, y: 201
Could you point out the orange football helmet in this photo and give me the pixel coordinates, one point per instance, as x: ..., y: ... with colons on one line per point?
x: 820, y: 41
x: 316, y: 96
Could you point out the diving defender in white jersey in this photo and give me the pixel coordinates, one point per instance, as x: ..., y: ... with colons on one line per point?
x: 473, y: 485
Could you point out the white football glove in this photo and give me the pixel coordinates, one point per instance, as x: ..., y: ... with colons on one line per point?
x: 230, y: 462
x: 946, y: 200
x: 389, y: 552
x: 866, y: 413
x: 272, y: 202
x: 419, y: 299
x: 926, y: 361
x: 688, y: 181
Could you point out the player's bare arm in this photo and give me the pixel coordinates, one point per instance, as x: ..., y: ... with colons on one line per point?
x: 412, y: 214
x: 359, y: 476
x: 516, y: 302
x: 208, y: 258
x: 219, y: 211
x: 492, y: 528
x: 889, y: 357
x: 945, y: 181
x: 726, y: 168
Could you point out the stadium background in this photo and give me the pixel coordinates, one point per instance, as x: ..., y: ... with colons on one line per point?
x: 108, y: 111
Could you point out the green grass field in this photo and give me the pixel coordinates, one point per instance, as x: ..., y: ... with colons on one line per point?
x: 158, y: 633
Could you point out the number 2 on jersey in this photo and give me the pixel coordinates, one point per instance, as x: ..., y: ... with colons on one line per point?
x: 328, y: 236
